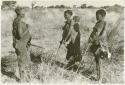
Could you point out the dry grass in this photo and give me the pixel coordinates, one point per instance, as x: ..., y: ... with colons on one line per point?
x: 45, y: 26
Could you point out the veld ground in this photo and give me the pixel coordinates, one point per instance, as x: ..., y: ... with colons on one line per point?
x: 45, y: 27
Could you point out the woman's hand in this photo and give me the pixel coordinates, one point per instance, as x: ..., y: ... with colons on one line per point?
x: 90, y: 40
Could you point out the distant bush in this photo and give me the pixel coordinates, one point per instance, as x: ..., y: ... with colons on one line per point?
x: 116, y: 8
x: 8, y: 4
x: 83, y: 6
x: 51, y: 7
x: 33, y: 4
x: 38, y: 7
x: 90, y: 6
x: 58, y: 6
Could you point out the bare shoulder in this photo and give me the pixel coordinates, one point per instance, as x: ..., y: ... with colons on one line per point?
x: 23, y: 22
x: 72, y: 22
x: 103, y: 22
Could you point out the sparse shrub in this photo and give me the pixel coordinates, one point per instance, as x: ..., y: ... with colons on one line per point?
x: 9, y: 4
x: 83, y: 6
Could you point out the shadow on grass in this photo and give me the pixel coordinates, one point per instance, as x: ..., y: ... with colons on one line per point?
x: 37, y: 59
x: 59, y: 64
x: 88, y: 74
x: 4, y: 65
x: 40, y: 58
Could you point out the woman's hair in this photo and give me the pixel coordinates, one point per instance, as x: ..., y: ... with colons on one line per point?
x: 101, y: 12
x: 69, y: 12
x: 18, y: 10
x: 76, y: 18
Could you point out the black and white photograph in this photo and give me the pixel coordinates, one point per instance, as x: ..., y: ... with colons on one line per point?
x: 62, y: 41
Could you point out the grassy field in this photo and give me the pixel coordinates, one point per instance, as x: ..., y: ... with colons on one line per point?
x: 45, y: 27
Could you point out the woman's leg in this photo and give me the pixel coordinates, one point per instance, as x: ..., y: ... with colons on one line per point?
x: 23, y: 60
x: 97, y: 59
x: 69, y: 51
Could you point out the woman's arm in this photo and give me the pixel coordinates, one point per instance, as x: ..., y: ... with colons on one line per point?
x: 69, y: 33
x: 20, y: 30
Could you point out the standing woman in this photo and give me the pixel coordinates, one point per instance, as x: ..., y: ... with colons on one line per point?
x: 74, y: 34
x: 71, y: 34
x: 21, y: 39
x: 68, y: 17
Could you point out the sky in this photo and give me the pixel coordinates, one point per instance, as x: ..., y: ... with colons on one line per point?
x: 96, y: 3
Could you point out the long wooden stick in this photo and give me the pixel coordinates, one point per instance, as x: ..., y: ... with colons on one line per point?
x: 83, y: 55
x: 36, y: 46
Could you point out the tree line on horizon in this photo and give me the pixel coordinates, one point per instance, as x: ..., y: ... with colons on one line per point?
x: 12, y: 4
